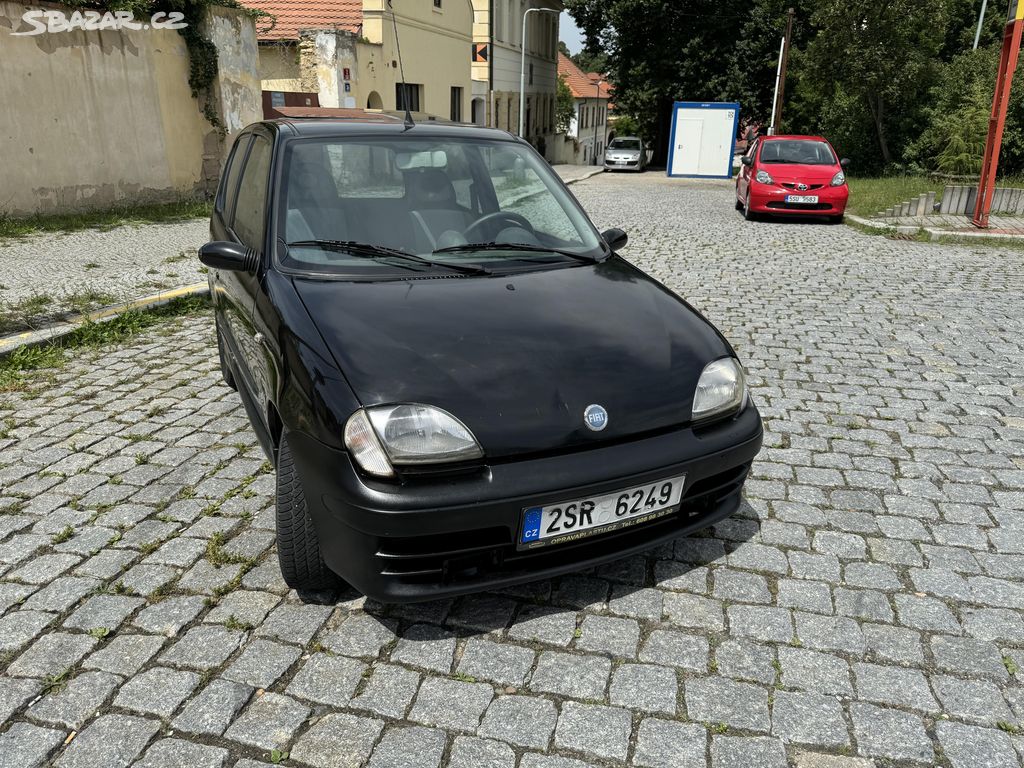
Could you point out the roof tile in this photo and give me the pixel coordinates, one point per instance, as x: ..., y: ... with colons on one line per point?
x: 295, y: 15
x: 582, y: 85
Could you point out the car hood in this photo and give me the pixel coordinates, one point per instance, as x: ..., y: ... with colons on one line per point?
x: 795, y: 172
x: 518, y: 358
x: 623, y: 152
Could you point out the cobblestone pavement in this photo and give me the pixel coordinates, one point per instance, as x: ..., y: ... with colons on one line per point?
x: 122, y: 263
x: 865, y: 608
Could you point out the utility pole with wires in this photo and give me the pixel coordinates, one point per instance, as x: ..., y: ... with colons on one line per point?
x: 780, y: 89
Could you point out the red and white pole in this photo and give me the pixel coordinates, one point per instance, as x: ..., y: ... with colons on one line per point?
x: 997, y: 119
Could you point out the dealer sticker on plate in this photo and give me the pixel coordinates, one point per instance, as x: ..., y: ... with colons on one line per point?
x: 577, y: 519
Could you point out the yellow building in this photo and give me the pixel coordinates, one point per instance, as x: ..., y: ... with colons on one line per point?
x: 344, y: 53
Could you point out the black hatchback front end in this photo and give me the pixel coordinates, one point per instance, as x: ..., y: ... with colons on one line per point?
x: 430, y: 538
x: 461, y: 384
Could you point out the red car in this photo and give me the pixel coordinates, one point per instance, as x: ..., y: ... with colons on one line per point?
x: 792, y: 175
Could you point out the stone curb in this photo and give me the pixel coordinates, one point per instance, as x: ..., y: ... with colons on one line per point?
x: 934, y: 232
x: 57, y: 331
x: 584, y: 177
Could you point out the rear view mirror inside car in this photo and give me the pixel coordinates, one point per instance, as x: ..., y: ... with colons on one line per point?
x: 429, y: 159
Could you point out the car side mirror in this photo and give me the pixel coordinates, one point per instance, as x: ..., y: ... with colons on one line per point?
x: 233, y: 257
x: 747, y: 160
x: 844, y: 162
x: 615, y: 238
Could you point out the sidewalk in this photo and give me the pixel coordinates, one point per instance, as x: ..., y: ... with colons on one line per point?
x: 574, y: 173
x: 48, y: 275
x: 946, y: 225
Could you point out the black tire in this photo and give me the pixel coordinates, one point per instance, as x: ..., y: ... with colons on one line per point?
x: 225, y: 369
x: 739, y: 203
x: 298, y: 545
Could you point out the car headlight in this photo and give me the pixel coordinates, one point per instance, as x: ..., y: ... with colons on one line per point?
x: 764, y: 178
x: 839, y: 179
x: 385, y: 435
x: 721, y: 389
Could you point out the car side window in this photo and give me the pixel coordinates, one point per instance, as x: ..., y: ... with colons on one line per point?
x: 250, y: 209
x: 229, y: 181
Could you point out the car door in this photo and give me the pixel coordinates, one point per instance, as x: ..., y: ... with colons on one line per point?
x: 228, y: 297
x: 247, y: 227
x: 743, y: 177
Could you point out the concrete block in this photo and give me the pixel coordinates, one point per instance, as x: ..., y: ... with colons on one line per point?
x: 947, y: 198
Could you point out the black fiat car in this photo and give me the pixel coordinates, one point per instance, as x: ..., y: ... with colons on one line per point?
x: 461, y: 384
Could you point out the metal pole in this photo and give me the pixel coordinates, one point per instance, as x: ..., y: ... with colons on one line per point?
x: 781, y: 96
x: 997, y: 120
x: 597, y: 109
x: 778, y: 74
x: 522, y: 65
x: 981, y: 21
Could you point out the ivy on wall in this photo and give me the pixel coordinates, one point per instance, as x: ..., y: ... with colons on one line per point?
x: 202, y: 53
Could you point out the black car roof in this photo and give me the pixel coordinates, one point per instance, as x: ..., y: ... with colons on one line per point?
x: 384, y: 125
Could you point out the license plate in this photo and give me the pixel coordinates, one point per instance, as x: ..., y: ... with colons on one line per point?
x: 801, y: 198
x: 621, y: 162
x: 577, y: 519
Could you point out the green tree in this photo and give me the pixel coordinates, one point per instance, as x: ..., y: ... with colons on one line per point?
x: 874, y: 58
x: 565, y: 106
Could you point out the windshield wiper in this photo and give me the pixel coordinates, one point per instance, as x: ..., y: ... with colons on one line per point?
x: 514, y: 247
x: 369, y: 250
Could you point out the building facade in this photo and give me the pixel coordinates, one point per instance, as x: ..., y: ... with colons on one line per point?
x: 496, y: 67
x: 344, y: 53
x: 589, y: 125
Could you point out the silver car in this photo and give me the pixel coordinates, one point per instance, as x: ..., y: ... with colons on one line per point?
x: 625, y: 153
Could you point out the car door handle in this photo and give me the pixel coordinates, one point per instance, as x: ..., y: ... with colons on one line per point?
x: 258, y: 337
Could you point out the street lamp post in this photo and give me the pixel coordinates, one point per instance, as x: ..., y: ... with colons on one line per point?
x: 597, y: 109
x: 522, y: 65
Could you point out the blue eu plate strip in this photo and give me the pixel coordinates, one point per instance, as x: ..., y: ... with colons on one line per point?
x: 531, y: 524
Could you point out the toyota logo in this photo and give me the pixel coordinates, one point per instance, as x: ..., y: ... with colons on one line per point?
x: 801, y: 186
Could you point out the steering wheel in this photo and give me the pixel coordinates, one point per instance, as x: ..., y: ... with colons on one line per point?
x: 509, y: 217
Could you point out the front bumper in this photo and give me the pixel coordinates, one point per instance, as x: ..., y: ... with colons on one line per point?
x: 628, y: 165
x: 429, y: 539
x: 771, y: 198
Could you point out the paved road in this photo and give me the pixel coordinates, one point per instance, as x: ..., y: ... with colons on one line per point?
x: 868, y: 604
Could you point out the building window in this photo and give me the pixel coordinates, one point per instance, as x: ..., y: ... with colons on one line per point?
x: 456, y: 107
x: 411, y: 100
x: 499, y: 20
x: 437, y: 4
x: 531, y: 73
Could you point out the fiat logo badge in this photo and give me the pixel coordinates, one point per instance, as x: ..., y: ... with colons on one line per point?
x: 595, y: 417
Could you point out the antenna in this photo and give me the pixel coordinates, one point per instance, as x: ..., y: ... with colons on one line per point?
x: 401, y: 70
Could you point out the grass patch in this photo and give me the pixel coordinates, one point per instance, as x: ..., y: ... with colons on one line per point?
x: 869, y: 196
x: 86, y: 301
x: 62, y: 536
x: 14, y: 367
x: 118, y: 216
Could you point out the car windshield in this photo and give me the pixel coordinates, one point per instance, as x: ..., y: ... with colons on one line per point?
x: 798, y: 152
x: 391, y: 206
x: 624, y: 144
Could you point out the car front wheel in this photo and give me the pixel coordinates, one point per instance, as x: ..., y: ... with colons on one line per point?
x: 298, y: 545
